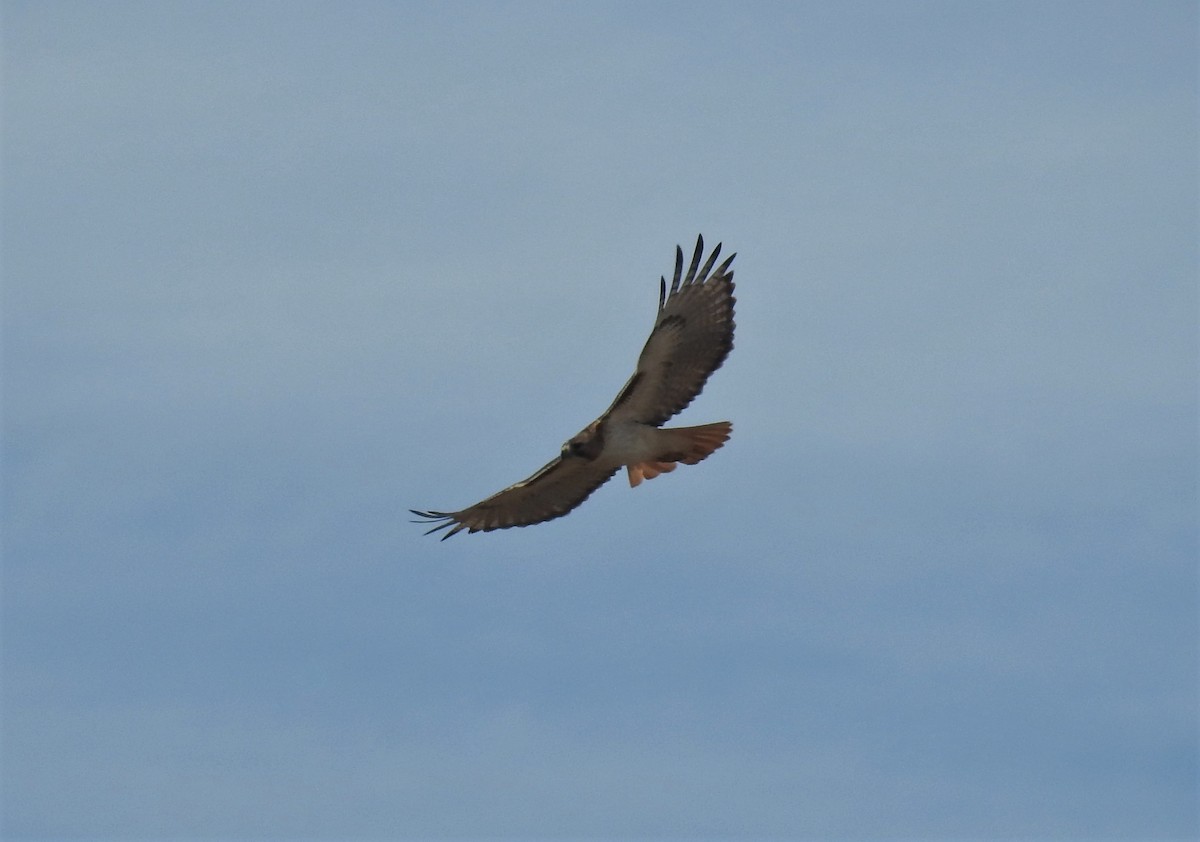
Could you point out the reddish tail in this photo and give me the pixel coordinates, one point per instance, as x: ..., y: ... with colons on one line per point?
x: 688, y: 445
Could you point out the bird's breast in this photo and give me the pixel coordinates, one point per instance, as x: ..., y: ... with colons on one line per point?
x: 628, y: 442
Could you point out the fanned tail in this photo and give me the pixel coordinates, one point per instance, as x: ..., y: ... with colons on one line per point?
x: 688, y: 445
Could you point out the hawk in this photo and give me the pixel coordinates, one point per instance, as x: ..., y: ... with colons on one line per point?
x: 692, y: 336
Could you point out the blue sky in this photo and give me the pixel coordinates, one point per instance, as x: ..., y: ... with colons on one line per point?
x: 276, y: 272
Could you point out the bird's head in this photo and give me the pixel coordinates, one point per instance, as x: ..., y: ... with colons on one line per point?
x: 587, y: 443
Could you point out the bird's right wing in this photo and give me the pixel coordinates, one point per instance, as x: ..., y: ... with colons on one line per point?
x: 553, y: 491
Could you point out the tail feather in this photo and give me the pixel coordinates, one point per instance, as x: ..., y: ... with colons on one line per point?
x: 688, y: 445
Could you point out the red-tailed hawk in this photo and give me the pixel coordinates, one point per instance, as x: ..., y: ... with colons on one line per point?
x: 692, y: 335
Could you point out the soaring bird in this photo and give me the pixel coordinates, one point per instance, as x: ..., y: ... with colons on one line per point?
x: 692, y: 336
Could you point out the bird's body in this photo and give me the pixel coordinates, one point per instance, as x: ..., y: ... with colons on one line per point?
x: 628, y: 442
x: 692, y: 336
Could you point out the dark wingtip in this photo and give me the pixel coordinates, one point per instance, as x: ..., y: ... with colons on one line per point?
x: 723, y: 269
x: 708, y: 264
x: 696, y: 255
x: 441, y: 520
x: 430, y: 515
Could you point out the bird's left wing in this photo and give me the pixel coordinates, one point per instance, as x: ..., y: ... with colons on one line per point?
x: 553, y: 491
x: 692, y: 336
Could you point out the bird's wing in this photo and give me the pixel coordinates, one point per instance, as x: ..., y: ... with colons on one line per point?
x: 553, y: 491
x: 692, y: 336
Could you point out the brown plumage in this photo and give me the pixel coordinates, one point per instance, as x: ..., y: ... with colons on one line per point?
x: 692, y: 336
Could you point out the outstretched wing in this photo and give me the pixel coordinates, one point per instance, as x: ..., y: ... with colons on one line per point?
x: 692, y: 336
x: 553, y: 491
